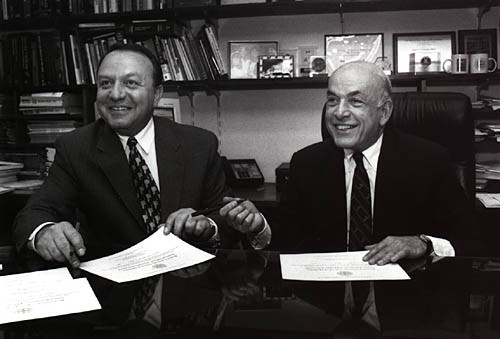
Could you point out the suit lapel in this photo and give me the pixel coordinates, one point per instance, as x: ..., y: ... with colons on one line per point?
x: 334, y: 179
x: 113, y: 162
x: 171, y: 166
x: 384, y: 187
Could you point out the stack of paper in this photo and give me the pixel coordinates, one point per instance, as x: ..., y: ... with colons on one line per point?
x: 44, y: 294
x: 9, y: 171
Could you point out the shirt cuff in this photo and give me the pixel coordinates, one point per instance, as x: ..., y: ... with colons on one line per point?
x: 442, y: 247
x: 263, y: 238
x: 214, y: 241
x: 32, y: 237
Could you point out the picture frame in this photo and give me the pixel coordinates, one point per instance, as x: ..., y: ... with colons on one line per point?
x: 471, y: 41
x: 343, y: 48
x: 275, y: 66
x: 244, y: 57
x: 422, y: 52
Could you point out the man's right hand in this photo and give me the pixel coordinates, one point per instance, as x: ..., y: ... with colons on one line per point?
x: 60, y: 242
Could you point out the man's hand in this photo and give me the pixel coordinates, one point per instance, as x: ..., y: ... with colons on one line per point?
x: 244, y: 217
x: 183, y: 225
x: 60, y: 242
x: 393, y: 249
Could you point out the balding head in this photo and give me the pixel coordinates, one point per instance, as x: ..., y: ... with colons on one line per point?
x: 359, y: 105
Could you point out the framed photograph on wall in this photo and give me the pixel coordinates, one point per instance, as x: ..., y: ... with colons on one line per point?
x: 275, y: 66
x: 473, y: 41
x: 422, y: 52
x: 340, y: 49
x: 244, y: 57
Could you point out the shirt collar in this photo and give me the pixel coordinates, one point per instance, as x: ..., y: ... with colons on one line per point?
x: 144, y: 138
x: 371, y: 154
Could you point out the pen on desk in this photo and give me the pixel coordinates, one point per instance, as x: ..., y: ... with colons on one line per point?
x: 215, y: 208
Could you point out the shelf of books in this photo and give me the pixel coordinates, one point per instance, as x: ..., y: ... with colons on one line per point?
x: 14, y: 10
x: 487, y: 136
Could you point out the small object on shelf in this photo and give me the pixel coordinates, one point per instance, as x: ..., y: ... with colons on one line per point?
x: 275, y: 66
x: 318, y: 66
x: 282, y: 175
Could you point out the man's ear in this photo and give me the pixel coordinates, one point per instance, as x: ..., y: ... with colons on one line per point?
x: 158, y: 94
x: 386, y: 109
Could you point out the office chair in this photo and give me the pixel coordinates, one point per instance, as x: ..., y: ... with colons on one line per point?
x: 444, y: 118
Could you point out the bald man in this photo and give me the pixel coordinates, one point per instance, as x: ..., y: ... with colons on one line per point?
x: 417, y: 205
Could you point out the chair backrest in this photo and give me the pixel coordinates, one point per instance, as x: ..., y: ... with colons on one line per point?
x: 444, y: 118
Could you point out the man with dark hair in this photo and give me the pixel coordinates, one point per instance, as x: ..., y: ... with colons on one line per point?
x: 113, y: 171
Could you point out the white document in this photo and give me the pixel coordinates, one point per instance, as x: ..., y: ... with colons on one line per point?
x: 156, y: 254
x: 342, y: 266
x: 44, y: 294
x: 489, y: 200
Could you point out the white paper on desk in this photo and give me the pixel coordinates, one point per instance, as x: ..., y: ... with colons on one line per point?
x: 489, y: 200
x: 43, y: 294
x: 342, y: 266
x: 156, y: 254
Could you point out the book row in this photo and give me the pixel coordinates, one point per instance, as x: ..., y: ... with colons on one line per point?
x: 25, y: 9
x: 18, y: 9
x: 49, y: 58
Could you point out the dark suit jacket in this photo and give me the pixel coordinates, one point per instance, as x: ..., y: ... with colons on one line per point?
x: 91, y: 173
x: 416, y: 191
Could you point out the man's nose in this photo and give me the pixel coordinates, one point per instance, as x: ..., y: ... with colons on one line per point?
x: 117, y: 91
x: 342, y: 110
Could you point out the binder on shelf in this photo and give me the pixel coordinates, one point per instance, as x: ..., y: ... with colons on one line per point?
x: 50, y: 99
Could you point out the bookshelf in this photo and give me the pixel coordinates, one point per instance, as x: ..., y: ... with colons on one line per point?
x: 67, y: 23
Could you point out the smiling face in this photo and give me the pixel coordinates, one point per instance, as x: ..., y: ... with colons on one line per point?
x: 126, y: 93
x: 357, y: 109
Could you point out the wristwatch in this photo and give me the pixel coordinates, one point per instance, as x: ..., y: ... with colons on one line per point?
x: 428, y: 243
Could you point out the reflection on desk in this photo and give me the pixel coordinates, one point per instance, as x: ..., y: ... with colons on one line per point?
x: 240, y: 294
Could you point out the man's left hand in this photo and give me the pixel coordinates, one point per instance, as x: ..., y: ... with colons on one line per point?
x: 244, y: 216
x: 393, y: 249
x: 183, y: 225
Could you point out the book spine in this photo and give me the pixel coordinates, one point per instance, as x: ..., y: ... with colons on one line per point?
x: 75, y: 54
x: 113, y: 6
x: 88, y: 58
x: 26, y: 62
x: 215, y: 47
x: 184, y: 59
x: 179, y: 72
x: 170, y: 59
x: 167, y: 75
x: 65, y: 62
x: 41, y: 60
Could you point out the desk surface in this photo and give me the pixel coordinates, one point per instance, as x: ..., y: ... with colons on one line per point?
x: 240, y: 294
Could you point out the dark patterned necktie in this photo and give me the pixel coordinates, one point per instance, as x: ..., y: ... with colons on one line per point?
x: 360, y: 228
x: 149, y: 199
x: 145, y: 188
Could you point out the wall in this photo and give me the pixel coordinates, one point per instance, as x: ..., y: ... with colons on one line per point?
x: 269, y: 125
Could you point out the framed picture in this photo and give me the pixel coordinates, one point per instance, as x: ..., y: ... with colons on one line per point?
x: 275, y: 66
x: 340, y: 49
x: 478, y: 41
x: 422, y: 52
x: 244, y: 57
